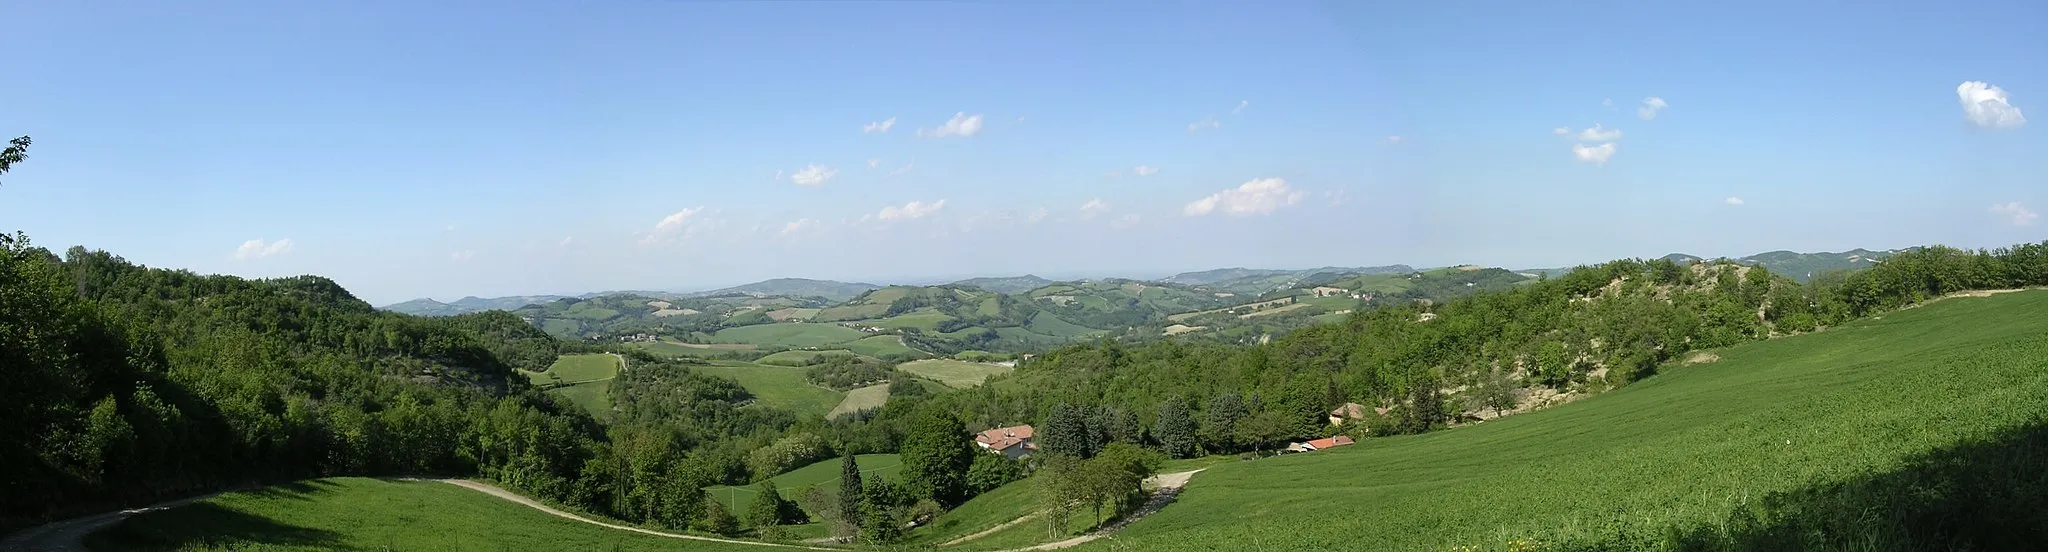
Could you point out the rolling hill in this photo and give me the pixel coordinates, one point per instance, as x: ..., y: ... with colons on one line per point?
x: 1011, y: 284
x: 429, y: 307
x: 793, y: 287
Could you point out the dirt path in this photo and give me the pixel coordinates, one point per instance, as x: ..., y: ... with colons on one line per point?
x: 69, y: 535
x: 530, y: 503
x: 1169, y: 486
x: 993, y: 530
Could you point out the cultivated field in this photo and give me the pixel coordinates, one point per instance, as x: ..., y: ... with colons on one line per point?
x: 823, y: 473
x: 1862, y: 436
x: 864, y: 398
x: 882, y: 345
x: 955, y: 374
x: 587, y: 380
x: 352, y: 513
x: 801, y: 357
x: 781, y: 386
x: 791, y: 334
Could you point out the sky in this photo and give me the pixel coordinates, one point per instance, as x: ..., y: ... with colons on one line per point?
x: 444, y: 149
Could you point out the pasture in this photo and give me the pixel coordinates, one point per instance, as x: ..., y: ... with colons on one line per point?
x: 801, y: 357
x: 791, y: 334
x: 864, y: 398
x: 883, y: 345
x: 1917, y: 429
x: 953, y: 373
x: 780, y: 386
x: 585, y: 380
x: 823, y: 473
x: 354, y: 513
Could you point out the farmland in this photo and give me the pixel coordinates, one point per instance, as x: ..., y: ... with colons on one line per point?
x: 1874, y: 430
x: 790, y: 334
x: 824, y: 473
x: 955, y: 374
x: 584, y: 379
x: 353, y: 513
x: 864, y: 398
x: 780, y: 386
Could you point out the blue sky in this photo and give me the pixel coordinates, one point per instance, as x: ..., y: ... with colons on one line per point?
x: 492, y: 148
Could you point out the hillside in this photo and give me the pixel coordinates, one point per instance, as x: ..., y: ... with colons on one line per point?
x: 828, y: 290
x: 429, y: 307
x: 1011, y: 284
x: 1256, y: 281
x: 1906, y: 432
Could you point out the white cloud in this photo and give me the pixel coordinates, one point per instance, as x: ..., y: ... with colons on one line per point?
x: 450, y: 228
x: 1256, y: 197
x: 1204, y: 124
x: 1241, y: 104
x: 1142, y: 170
x: 2019, y: 213
x: 1395, y: 139
x: 813, y: 175
x: 962, y: 125
x: 1732, y: 200
x: 673, y: 224
x: 1599, y: 134
x: 462, y: 255
x: 1036, y: 216
x: 1596, y: 155
x: 566, y: 241
x: 1125, y: 221
x: 799, y: 226
x: 1986, y: 106
x: 1607, y: 103
x: 1651, y: 106
x: 881, y: 126
x: 1561, y: 131
x: 914, y: 209
x: 872, y: 163
x: 1094, y: 207
x: 257, y: 249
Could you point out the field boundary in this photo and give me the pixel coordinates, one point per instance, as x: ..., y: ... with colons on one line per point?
x: 495, y: 491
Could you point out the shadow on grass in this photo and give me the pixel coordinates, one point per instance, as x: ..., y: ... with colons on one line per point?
x: 1985, y: 495
x: 204, y: 526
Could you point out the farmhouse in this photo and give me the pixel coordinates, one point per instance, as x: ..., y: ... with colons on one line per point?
x: 1350, y: 411
x: 1326, y: 291
x: 1319, y: 444
x: 1013, y: 441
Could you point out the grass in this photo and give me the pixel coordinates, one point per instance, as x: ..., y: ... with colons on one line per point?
x: 791, y: 334
x: 1274, y: 310
x: 922, y: 320
x: 691, y: 349
x: 781, y: 386
x: 953, y: 373
x: 984, y: 511
x: 1048, y: 324
x: 351, y: 513
x: 864, y: 398
x: 824, y: 473
x: 801, y: 357
x: 587, y: 380
x: 1922, y: 429
x: 883, y: 345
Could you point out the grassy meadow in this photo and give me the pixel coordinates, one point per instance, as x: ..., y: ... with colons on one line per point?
x: 824, y: 473
x: 791, y: 334
x: 882, y: 345
x: 353, y: 513
x: 800, y: 357
x: 586, y: 380
x: 1912, y: 430
x: 781, y: 386
x: 955, y: 374
x: 864, y: 398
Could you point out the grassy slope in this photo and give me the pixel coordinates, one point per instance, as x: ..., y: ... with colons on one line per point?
x: 791, y: 485
x: 864, y: 398
x: 791, y: 334
x: 777, y: 385
x: 589, y: 377
x: 882, y: 345
x: 801, y: 357
x: 369, y: 514
x: 1683, y: 449
x: 953, y: 373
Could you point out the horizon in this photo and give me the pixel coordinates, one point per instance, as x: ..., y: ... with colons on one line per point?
x: 416, y: 151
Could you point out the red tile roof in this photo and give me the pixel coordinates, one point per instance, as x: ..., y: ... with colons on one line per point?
x: 1337, y: 441
x: 1002, y: 438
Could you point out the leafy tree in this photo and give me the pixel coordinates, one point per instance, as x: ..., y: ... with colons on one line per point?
x: 1219, y: 426
x: 851, y: 492
x: 717, y: 519
x: 1552, y: 366
x: 1066, y: 432
x: 15, y: 152
x: 1265, y: 428
x: 1175, y: 429
x: 770, y: 509
x: 990, y: 471
x: 936, y: 456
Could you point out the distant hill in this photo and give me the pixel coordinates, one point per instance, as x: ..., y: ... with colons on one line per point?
x: 1804, y: 266
x: 1261, y: 280
x: 795, y: 287
x: 429, y: 307
x: 1011, y: 284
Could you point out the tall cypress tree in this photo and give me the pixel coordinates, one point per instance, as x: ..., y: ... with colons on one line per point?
x: 850, y: 491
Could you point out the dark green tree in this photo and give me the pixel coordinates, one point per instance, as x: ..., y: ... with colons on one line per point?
x: 1175, y: 429
x: 15, y: 152
x: 851, y: 493
x: 717, y: 519
x: 936, y: 455
x: 1219, y: 423
x: 990, y: 471
x: 1065, y: 432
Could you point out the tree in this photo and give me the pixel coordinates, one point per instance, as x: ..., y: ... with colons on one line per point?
x: 1552, y: 367
x: 990, y: 471
x: 1425, y: 406
x: 1059, y: 490
x: 851, y: 493
x: 880, y: 522
x: 16, y: 152
x: 1175, y: 429
x: 717, y: 519
x: 936, y: 455
x: 1265, y: 428
x: 1066, y: 432
x: 1219, y: 424
x: 770, y: 509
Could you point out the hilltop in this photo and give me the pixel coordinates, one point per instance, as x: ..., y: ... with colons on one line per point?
x: 829, y: 290
x: 1011, y: 284
x: 429, y: 307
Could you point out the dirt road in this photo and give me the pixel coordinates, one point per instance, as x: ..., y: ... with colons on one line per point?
x: 530, y: 503
x: 69, y: 535
x: 1169, y: 486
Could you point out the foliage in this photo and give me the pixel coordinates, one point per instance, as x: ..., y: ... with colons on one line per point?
x: 15, y: 152
x: 847, y: 372
x: 787, y: 453
x: 990, y: 471
x: 936, y: 456
x: 1175, y: 429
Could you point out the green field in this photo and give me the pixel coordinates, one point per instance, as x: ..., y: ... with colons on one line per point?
x: 801, y: 357
x: 883, y: 345
x: 780, y: 386
x: 1873, y: 434
x: 953, y: 373
x: 824, y: 473
x: 587, y: 380
x: 351, y: 513
x: 923, y: 320
x: 1048, y: 324
x: 864, y: 398
x: 791, y: 334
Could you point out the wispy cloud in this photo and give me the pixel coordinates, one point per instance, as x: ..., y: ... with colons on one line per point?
x: 813, y: 175
x: 566, y: 240
x: 1597, y: 155
x: 1142, y: 170
x: 1257, y: 197
x: 872, y: 163
x: 1036, y: 216
x: 1596, y: 144
x: 878, y: 126
x: 2016, y: 213
x: 1094, y: 207
x: 1205, y: 124
x: 1651, y: 106
x: 1395, y: 139
x: 1732, y: 200
x: 1125, y: 221
x: 1599, y: 133
x: 912, y: 210
x: 799, y: 226
x: 1988, y: 106
x: 1241, y: 104
x: 671, y: 225
x: 462, y: 255
x: 962, y: 125
x: 258, y: 249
